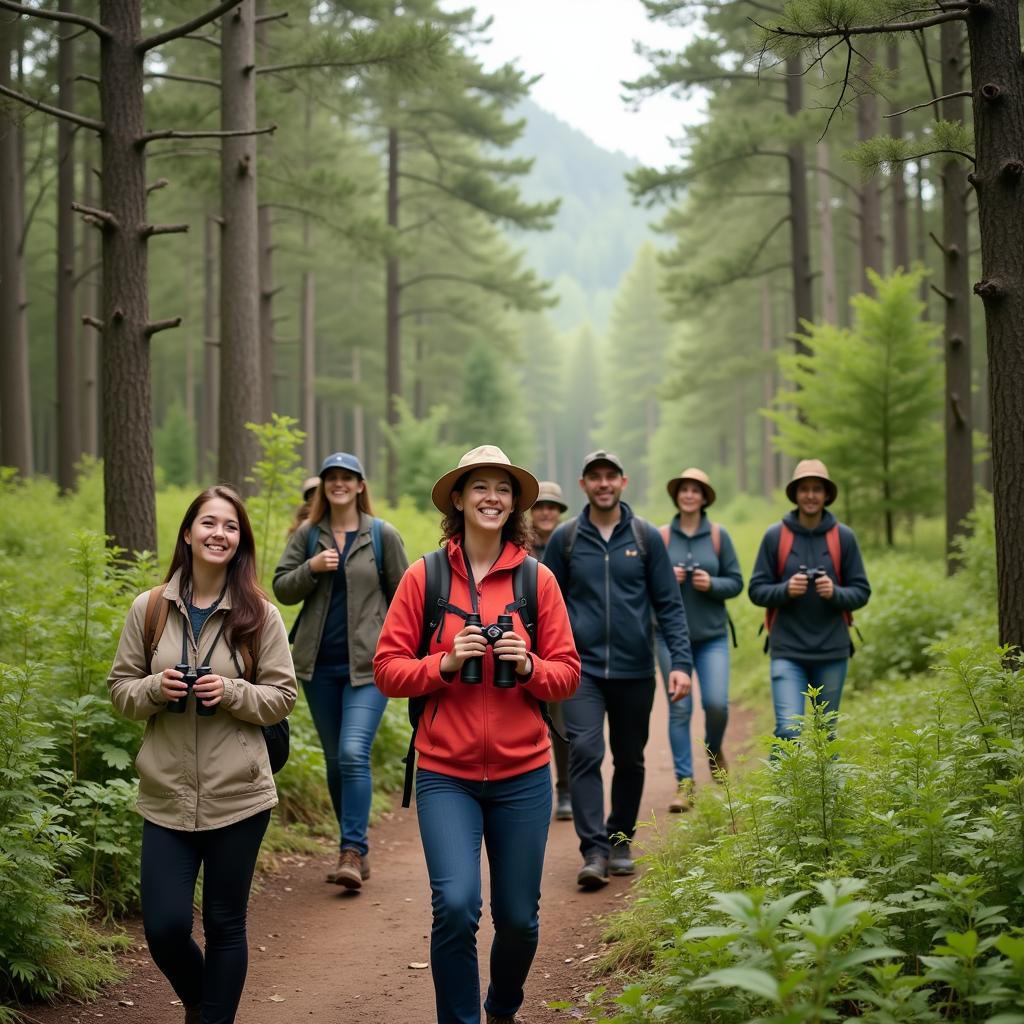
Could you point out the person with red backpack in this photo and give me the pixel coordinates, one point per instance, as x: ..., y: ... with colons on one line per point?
x: 810, y: 577
x: 478, y: 662
x: 708, y: 573
x: 203, y: 660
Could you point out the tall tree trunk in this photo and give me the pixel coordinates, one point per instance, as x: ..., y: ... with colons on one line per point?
x: 955, y: 265
x: 921, y: 233
x: 129, y: 489
x: 208, y: 442
x: 307, y: 360
x: 358, y: 417
x: 264, y: 231
x: 550, y: 450
x: 800, y: 220
x: 742, y: 484
x: 899, y: 227
x: 240, y: 387
x: 418, y: 402
x: 393, y: 356
x: 90, y: 304
x: 826, y: 238
x: 769, y: 477
x: 15, y: 411
x: 69, y: 447
x: 870, y: 196
x: 998, y: 97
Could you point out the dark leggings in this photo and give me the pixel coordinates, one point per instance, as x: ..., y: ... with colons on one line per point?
x: 170, y: 867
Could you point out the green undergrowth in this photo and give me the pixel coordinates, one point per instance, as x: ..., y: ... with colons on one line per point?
x: 877, y: 874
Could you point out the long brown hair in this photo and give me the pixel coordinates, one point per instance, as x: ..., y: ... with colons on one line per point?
x: 319, y: 506
x: 247, y: 611
x: 517, y: 528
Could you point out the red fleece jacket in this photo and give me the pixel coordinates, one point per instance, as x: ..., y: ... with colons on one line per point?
x: 478, y: 731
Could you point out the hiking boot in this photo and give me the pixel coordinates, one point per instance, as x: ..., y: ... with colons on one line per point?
x: 504, y: 1019
x: 718, y: 764
x: 594, y: 872
x: 193, y: 1014
x: 353, y: 868
x: 563, y: 807
x: 621, y: 862
x: 683, y: 799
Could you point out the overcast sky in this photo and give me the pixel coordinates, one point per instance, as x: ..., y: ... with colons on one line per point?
x: 584, y: 49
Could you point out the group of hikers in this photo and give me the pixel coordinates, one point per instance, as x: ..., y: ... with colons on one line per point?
x: 516, y: 641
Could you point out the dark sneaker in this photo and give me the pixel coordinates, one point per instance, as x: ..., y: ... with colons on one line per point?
x: 683, y: 800
x: 563, y: 808
x: 718, y: 764
x: 594, y: 872
x: 351, y: 872
x: 504, y: 1019
x: 620, y: 862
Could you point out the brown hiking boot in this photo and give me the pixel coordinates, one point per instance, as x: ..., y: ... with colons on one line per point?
x: 352, y: 869
x: 718, y: 764
x: 683, y: 800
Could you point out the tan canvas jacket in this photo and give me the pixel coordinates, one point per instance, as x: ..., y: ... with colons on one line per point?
x: 202, y: 773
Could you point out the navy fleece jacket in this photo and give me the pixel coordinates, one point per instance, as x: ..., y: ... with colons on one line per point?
x: 611, y: 592
x: 809, y: 628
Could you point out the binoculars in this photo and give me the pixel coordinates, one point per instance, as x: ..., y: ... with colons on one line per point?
x: 473, y: 668
x: 689, y: 565
x: 189, y: 677
x: 812, y: 574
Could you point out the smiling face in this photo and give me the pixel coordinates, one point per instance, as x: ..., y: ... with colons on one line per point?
x: 810, y: 497
x: 214, y: 534
x: 603, y: 485
x: 689, y: 497
x: 545, y: 515
x: 486, y: 500
x: 342, y: 488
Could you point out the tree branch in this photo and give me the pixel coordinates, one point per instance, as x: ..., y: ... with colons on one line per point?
x: 935, y: 238
x: 190, y: 26
x: 158, y: 184
x: 155, y: 326
x: 196, y: 79
x: 867, y: 30
x: 211, y: 134
x: 91, y: 321
x: 271, y: 17
x: 148, y: 230
x: 928, y: 103
x: 67, y: 115
x: 74, y: 19
x: 104, y: 216
x: 87, y: 78
x: 938, y: 291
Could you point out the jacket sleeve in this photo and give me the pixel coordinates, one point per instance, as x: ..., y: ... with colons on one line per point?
x: 397, y: 670
x: 667, y: 601
x: 764, y: 589
x: 729, y: 581
x: 133, y: 691
x: 553, y: 557
x: 855, y: 591
x: 294, y: 581
x: 271, y: 696
x: 395, y: 560
x: 556, y: 665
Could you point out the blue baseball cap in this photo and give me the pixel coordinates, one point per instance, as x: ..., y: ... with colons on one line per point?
x: 342, y: 460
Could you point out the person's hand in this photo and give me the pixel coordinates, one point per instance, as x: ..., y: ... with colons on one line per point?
x: 678, y: 685
x: 797, y: 585
x: 701, y: 580
x: 209, y: 689
x: 825, y: 587
x: 512, y: 647
x: 469, y: 643
x: 172, y: 684
x: 324, y: 561
x: 680, y: 573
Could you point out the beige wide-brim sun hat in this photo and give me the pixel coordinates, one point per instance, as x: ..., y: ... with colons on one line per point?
x: 487, y: 456
x: 698, y: 476
x: 548, y: 491
x: 310, y: 484
x: 808, y: 468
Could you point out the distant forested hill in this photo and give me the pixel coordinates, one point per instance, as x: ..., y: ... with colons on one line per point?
x: 598, y: 230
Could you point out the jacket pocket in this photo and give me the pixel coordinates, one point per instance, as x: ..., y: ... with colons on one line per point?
x: 249, y: 755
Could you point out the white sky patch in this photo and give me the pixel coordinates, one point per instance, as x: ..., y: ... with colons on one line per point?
x: 584, y: 50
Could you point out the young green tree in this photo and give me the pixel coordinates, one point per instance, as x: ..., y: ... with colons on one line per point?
x: 868, y: 401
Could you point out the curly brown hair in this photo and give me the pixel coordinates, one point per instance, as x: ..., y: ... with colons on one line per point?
x: 517, y: 528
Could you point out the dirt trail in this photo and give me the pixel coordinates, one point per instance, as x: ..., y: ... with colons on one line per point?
x: 321, y: 954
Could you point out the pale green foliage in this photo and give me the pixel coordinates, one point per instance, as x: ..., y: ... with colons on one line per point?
x: 885, y: 152
x: 867, y: 401
x: 174, y: 446
x: 422, y: 455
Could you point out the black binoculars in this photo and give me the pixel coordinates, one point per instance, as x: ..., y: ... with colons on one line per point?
x: 189, y: 677
x: 689, y: 565
x: 812, y: 574
x: 473, y: 668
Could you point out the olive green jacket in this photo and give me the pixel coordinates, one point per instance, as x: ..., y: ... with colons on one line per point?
x: 200, y: 773
x: 294, y: 581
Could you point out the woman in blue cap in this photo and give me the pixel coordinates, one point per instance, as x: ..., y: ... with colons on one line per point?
x: 344, y: 565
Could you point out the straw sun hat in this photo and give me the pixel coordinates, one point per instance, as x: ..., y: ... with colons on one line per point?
x: 487, y: 456
x: 697, y: 476
x: 812, y: 468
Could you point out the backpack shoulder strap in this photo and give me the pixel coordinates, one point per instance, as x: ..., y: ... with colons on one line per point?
x: 785, y: 547
x: 153, y: 624
x: 639, y: 527
x: 312, y: 536
x: 376, y: 540
x: 568, y: 538
x: 524, y: 591
x: 664, y: 531
x: 716, y: 538
x: 835, y: 552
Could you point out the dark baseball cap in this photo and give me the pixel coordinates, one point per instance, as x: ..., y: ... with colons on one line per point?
x: 602, y: 456
x: 342, y: 460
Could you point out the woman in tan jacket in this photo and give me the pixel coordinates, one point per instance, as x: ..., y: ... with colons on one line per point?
x: 205, y: 782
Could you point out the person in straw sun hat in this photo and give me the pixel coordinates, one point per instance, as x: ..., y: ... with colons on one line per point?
x: 708, y: 573
x: 483, y: 773
x: 810, y: 577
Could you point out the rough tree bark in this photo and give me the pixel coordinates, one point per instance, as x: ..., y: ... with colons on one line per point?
x: 69, y: 448
x: 207, y: 442
x: 769, y: 478
x: 870, y: 195
x: 921, y: 234
x: 90, y: 300
x: 15, y: 412
x: 800, y: 220
x: 741, y: 437
x: 393, y: 353
x: 265, y: 242
x: 955, y: 288
x: 358, y: 415
x: 899, y: 221
x: 307, y: 358
x: 826, y: 239
x: 240, y: 394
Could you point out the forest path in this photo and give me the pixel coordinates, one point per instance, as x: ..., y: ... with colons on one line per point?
x: 318, y: 953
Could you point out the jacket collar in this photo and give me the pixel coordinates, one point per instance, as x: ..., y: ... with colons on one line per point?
x: 624, y: 518
x: 172, y: 592
x: 511, y: 556
x: 792, y: 520
x: 365, y: 523
x: 703, y: 527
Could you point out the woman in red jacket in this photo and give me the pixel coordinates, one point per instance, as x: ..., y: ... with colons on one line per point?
x: 483, y: 767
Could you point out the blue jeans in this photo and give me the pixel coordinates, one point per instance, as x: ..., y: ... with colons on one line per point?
x: 790, y: 680
x: 711, y: 665
x: 346, y: 718
x: 511, y: 817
